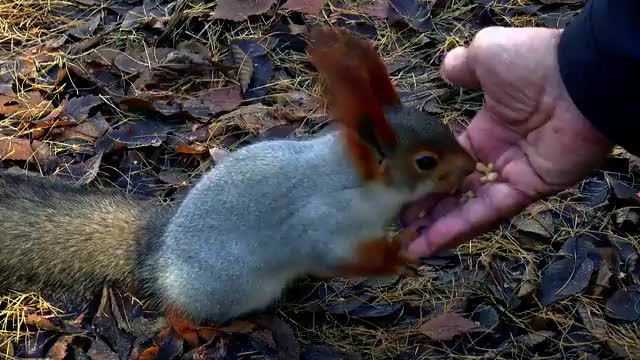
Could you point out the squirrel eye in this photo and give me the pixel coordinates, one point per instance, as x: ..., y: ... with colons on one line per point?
x: 426, y: 161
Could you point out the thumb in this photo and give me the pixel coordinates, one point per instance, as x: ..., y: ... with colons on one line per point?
x: 458, y: 69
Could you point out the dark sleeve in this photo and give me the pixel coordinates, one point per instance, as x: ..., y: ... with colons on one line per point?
x: 599, y: 59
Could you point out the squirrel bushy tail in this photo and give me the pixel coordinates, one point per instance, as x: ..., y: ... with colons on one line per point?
x: 72, y: 239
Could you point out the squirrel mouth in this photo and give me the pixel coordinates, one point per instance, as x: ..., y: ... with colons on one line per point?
x: 417, y: 212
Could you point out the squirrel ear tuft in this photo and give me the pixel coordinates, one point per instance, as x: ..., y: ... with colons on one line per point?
x: 358, y: 88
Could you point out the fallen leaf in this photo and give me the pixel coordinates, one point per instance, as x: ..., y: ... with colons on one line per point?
x: 41, y: 322
x: 254, y: 118
x: 87, y: 29
x: 627, y: 217
x: 23, y: 149
x: 191, y: 149
x: 26, y: 106
x: 623, y: 192
x: 310, y: 7
x: 415, y: 13
x: 148, y: 14
x: 278, y: 132
x: 447, y: 326
x: 254, y: 80
x: 298, y: 106
x: 603, y: 279
x: 78, y: 108
x: 596, y: 191
x: 204, y: 104
x: 570, y: 273
x: 628, y: 258
x: 238, y: 10
x: 213, y: 101
x: 134, y: 62
x: 540, y: 223
x: 557, y: 18
x: 195, y: 47
x: 624, y: 304
x: 376, y: 8
x: 6, y: 83
x: 592, y: 321
x: 59, y: 350
x: 174, y: 177
x: 82, y: 173
x: 141, y: 133
x: 534, y: 338
x: 487, y: 316
x: 366, y: 311
x: 358, y: 24
x: 346, y: 306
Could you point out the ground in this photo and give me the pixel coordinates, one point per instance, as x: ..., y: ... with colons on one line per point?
x: 145, y: 96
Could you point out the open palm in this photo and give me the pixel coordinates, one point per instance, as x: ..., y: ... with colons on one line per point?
x: 528, y: 128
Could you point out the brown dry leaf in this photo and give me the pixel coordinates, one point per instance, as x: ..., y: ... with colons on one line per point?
x: 238, y: 10
x: 78, y: 108
x: 311, y: 7
x: 6, y: 83
x: 22, y: 149
x: 202, y: 105
x: 540, y: 223
x: 82, y: 173
x: 298, y: 105
x: 60, y: 348
x: 174, y: 177
x: 375, y: 8
x: 191, y: 149
x: 41, y: 322
x: 447, y: 326
x: 87, y: 29
x: 254, y: 118
x: 195, y: 47
x: 255, y: 81
x: 134, y: 62
x: 102, y: 56
x: 150, y: 14
x: 245, y: 66
x: 213, y: 101
x: 33, y: 105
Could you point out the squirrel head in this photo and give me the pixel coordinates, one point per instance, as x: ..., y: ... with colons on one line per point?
x: 404, y: 148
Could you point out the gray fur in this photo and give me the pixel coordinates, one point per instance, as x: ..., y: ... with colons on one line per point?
x: 268, y: 213
x: 265, y: 215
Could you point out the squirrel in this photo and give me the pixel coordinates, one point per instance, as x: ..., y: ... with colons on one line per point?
x: 264, y: 215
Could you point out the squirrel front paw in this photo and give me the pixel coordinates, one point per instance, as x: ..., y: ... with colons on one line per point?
x: 383, y: 256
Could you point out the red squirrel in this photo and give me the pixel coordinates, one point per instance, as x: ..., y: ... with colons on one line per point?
x: 263, y: 216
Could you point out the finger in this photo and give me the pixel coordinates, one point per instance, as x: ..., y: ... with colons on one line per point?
x: 493, y: 203
x: 458, y: 70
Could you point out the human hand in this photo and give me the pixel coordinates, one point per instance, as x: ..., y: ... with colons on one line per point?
x: 528, y: 128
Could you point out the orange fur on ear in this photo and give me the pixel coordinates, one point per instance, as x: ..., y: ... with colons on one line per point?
x: 360, y: 88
